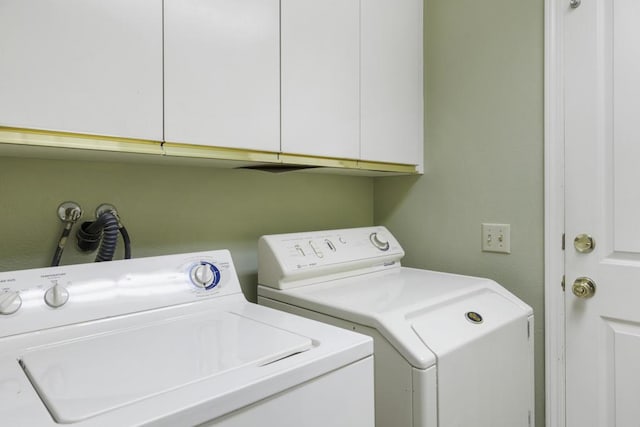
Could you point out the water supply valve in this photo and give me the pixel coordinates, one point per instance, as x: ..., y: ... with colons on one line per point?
x: 69, y: 213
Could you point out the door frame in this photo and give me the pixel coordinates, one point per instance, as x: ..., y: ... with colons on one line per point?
x: 554, y: 200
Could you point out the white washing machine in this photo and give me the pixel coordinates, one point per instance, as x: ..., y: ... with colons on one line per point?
x: 450, y: 350
x: 170, y: 341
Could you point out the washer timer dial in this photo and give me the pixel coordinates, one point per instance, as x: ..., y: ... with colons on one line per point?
x: 205, y: 275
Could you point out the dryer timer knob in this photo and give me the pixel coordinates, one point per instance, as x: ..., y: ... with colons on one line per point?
x: 380, y: 241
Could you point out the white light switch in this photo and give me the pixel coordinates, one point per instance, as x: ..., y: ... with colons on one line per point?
x: 496, y: 238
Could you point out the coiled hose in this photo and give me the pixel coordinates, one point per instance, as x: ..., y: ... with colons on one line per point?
x: 127, y: 242
x: 104, y: 232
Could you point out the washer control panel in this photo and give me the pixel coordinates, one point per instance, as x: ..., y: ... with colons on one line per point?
x: 289, y: 260
x: 54, y: 296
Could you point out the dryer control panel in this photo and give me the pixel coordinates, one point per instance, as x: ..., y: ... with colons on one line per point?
x: 297, y: 259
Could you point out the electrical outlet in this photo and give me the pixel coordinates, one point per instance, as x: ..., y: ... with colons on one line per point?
x: 496, y: 238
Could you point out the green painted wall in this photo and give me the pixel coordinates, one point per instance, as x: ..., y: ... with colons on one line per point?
x: 483, y: 157
x: 170, y: 209
x: 483, y: 151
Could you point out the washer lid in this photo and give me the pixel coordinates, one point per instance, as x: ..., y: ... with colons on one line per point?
x: 83, y: 378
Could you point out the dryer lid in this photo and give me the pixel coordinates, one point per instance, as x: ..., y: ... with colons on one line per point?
x: 399, y: 304
x: 456, y: 325
x: 82, y: 378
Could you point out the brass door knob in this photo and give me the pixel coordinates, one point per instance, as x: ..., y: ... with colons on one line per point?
x: 584, y: 287
x: 584, y: 243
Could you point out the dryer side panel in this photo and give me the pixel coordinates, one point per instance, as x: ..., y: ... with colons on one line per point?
x: 394, y: 394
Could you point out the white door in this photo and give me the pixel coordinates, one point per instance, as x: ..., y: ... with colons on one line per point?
x: 602, y: 178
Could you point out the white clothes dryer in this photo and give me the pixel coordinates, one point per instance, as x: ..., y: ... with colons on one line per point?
x: 170, y: 341
x: 449, y: 350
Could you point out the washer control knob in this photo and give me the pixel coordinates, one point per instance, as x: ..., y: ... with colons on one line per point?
x: 56, y: 296
x: 380, y: 241
x: 202, y: 275
x: 10, y: 302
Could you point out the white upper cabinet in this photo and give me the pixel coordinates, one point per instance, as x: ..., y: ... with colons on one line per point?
x: 320, y: 77
x: 87, y: 66
x: 352, y: 79
x: 222, y: 73
x: 392, y: 81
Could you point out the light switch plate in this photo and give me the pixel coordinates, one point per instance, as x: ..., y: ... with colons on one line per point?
x: 496, y: 238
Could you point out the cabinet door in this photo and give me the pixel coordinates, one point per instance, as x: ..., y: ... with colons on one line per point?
x: 320, y: 77
x: 392, y: 81
x: 222, y: 73
x: 88, y: 66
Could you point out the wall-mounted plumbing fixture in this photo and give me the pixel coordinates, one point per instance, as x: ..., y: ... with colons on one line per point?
x: 103, y: 233
x: 69, y: 213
